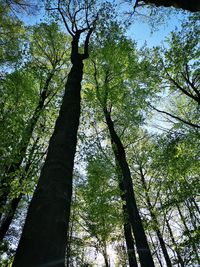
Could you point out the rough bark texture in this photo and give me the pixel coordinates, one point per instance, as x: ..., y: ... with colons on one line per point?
x: 44, y: 235
x: 191, y: 5
x: 135, y: 220
x: 155, y: 222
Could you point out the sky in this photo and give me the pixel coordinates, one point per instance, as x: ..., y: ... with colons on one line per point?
x: 140, y: 28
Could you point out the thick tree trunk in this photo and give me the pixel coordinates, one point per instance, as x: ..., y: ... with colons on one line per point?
x: 191, y: 5
x: 43, y: 239
x: 132, y: 209
x: 155, y: 221
x: 6, y: 180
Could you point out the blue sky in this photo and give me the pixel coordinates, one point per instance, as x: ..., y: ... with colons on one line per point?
x: 139, y: 30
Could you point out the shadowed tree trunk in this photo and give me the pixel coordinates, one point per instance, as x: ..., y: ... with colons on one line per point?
x: 188, y: 233
x: 125, y: 180
x: 180, y: 260
x: 12, y: 204
x: 43, y: 240
x: 155, y: 221
x: 6, y: 180
x: 130, y: 244
x: 142, y: 246
x: 105, y: 255
x: 191, y: 5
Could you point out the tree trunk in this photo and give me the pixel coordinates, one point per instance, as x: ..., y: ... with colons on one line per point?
x: 155, y: 221
x: 9, y: 217
x: 187, y: 232
x: 155, y: 247
x: 191, y: 5
x: 6, y: 180
x: 180, y: 260
x: 12, y: 206
x: 43, y: 239
x: 132, y: 210
x: 130, y: 245
x: 105, y: 255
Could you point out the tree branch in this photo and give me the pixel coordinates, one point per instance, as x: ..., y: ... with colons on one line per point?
x: 175, y: 117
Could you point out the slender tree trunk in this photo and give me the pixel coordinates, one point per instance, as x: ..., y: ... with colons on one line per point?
x: 191, y: 5
x: 156, y: 250
x: 180, y: 260
x: 193, y: 218
x: 6, y: 180
x: 105, y: 255
x: 132, y: 209
x: 13, y: 203
x: 9, y: 217
x: 43, y: 239
x: 155, y: 221
x: 187, y: 230
x: 130, y: 245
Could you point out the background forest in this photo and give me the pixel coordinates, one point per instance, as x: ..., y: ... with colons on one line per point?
x: 129, y: 196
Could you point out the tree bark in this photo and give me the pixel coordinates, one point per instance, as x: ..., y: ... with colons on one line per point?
x: 142, y: 246
x: 43, y: 239
x: 190, y: 5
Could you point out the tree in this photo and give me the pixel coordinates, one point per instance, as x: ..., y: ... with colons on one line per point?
x: 107, y: 83
x: 43, y: 239
x: 192, y: 5
x: 40, y: 71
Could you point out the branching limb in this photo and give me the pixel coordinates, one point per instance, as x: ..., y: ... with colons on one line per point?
x: 176, y: 117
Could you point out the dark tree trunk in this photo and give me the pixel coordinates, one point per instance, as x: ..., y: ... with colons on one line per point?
x: 132, y: 210
x: 12, y: 206
x: 105, y: 255
x: 43, y: 240
x: 130, y: 245
x: 9, y: 217
x: 6, y: 180
x: 191, y: 5
x: 155, y: 221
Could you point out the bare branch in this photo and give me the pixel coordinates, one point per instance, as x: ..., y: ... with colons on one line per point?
x: 176, y: 117
x: 64, y: 20
x: 183, y: 90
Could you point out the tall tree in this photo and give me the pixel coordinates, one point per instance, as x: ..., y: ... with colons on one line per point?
x: 108, y: 79
x: 43, y: 239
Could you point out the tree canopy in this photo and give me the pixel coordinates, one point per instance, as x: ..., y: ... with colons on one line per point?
x: 99, y: 136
